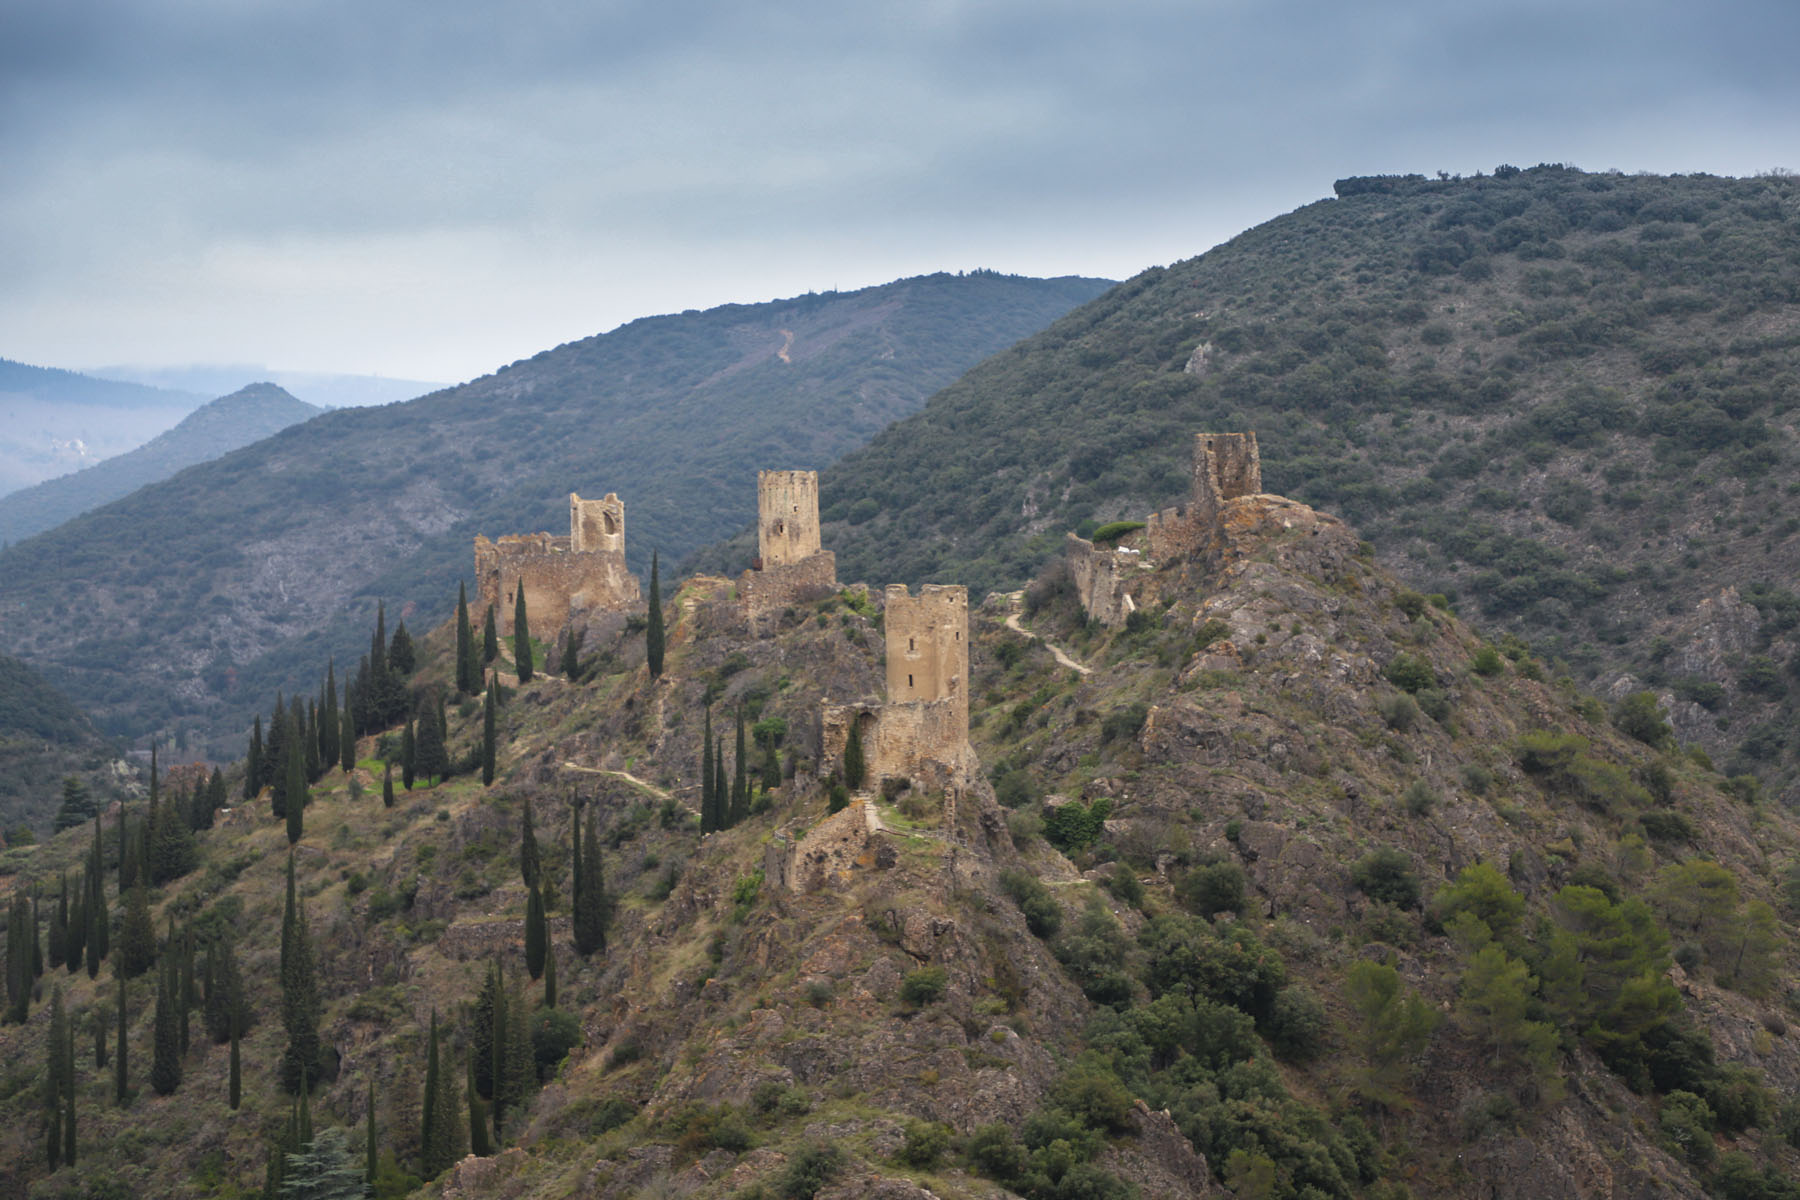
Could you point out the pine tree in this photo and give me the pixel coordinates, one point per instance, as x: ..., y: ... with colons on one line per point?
x: 530, y: 862
x: 489, y: 733
x: 137, y: 935
x: 253, y: 760
x: 467, y: 672
x: 121, y: 1091
x: 740, y: 778
x: 172, y: 852
x: 409, y: 749
x: 490, y: 639
x: 77, y: 804
x: 321, y: 1168
x: 165, y: 1063
x: 536, y: 933
x: 387, y: 785
x: 549, y: 974
x: 514, y: 1083
x: 709, y: 817
x: 521, y: 638
x: 854, y: 766
x: 653, y: 635
x: 590, y: 905
x: 430, y: 758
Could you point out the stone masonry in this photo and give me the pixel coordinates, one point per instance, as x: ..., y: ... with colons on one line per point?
x: 921, y: 732
x: 563, y: 577
x: 790, y: 568
x: 1110, y: 580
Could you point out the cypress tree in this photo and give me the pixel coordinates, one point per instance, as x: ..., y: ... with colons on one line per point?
x: 514, y: 1083
x: 488, y: 736
x: 57, y: 1081
x: 437, y: 1118
x: 575, y: 855
x: 549, y: 973
x: 18, y: 960
x: 226, y: 1007
x: 529, y: 860
x: 408, y: 755
x: 402, y: 658
x: 481, y: 1032
x: 253, y: 760
x: 165, y: 1063
x: 653, y: 635
x: 378, y: 659
x: 299, y: 998
x: 137, y: 935
x: 721, y: 789
x: 184, y: 999
x: 56, y: 944
x: 771, y: 765
x: 369, y: 1143
x: 235, y: 1088
x: 37, y: 945
x: 206, y: 809
x: 296, y: 792
x: 102, y: 1024
x: 127, y: 869
x: 709, y: 818
x: 521, y: 638
x: 490, y: 639
x: 430, y: 759
x: 740, y: 778
x: 571, y: 657
x: 536, y: 933
x: 68, y: 1138
x: 99, y: 929
x: 387, y: 785
x: 75, y: 929
x: 346, y: 739
x: 590, y: 905
x: 309, y: 743
x: 273, y: 764
x: 120, y: 1091
x: 480, y: 1144
x: 854, y: 766
x: 497, y: 1049
x: 328, y: 717
x: 172, y: 852
x: 467, y: 673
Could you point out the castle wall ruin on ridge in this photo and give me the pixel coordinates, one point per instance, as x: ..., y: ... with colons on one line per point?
x: 790, y: 567
x: 562, y: 577
x: 921, y: 732
x: 1108, y: 579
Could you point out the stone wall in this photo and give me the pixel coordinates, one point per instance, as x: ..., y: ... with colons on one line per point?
x: 562, y: 577
x: 777, y: 587
x: 1104, y: 577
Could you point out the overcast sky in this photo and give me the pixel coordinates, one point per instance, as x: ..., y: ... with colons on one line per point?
x: 434, y: 190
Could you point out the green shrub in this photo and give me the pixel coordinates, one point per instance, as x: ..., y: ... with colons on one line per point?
x: 1487, y: 661
x: 1687, y: 1122
x: 809, y: 1170
x: 1212, y: 888
x: 1043, y: 915
x: 1112, y: 531
x: 1212, y: 631
x: 1419, y: 798
x: 925, y: 1144
x: 554, y: 1032
x: 1074, y: 825
x: 1409, y: 672
x: 1124, y: 883
x: 924, y: 986
x: 1387, y: 875
x: 1662, y: 825
x: 1298, y: 1029
x: 1399, y: 710
x: 1640, y: 716
x: 1124, y: 721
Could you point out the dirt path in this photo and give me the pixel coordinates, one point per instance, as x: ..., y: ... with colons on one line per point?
x: 627, y: 776
x: 1012, y: 622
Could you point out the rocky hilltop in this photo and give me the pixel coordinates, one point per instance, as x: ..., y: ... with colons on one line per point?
x: 1283, y: 882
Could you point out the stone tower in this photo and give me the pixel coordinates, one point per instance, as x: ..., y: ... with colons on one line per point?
x: 787, y: 529
x: 596, y: 525
x: 928, y: 645
x: 1226, y: 466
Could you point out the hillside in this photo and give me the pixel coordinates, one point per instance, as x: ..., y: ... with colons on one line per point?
x: 223, y: 425
x: 43, y: 740
x: 283, y: 547
x: 1566, y: 400
x: 1291, y: 886
x: 53, y: 421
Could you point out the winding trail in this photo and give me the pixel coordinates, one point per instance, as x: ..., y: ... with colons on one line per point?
x: 1013, y: 600
x: 628, y: 777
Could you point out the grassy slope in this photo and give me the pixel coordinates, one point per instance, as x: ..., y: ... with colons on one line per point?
x: 192, y: 600
x: 1567, y: 398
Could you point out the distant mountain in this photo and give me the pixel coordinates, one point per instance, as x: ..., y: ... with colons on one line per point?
x: 325, y: 389
x: 53, y: 421
x: 213, y: 429
x: 1568, y: 399
x: 43, y: 739
x: 187, y: 606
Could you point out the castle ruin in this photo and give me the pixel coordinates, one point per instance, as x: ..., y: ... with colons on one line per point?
x: 562, y: 577
x: 790, y: 567
x: 1110, y: 580
x: 921, y: 732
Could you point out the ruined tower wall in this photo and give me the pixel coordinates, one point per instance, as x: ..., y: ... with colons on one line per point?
x: 777, y: 587
x: 787, y: 528
x: 1103, y: 578
x: 562, y: 577
x: 928, y: 644
x: 1226, y: 466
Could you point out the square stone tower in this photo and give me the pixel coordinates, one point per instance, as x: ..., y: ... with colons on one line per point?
x: 787, y: 528
x: 596, y: 524
x: 928, y: 646
x: 1226, y: 466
